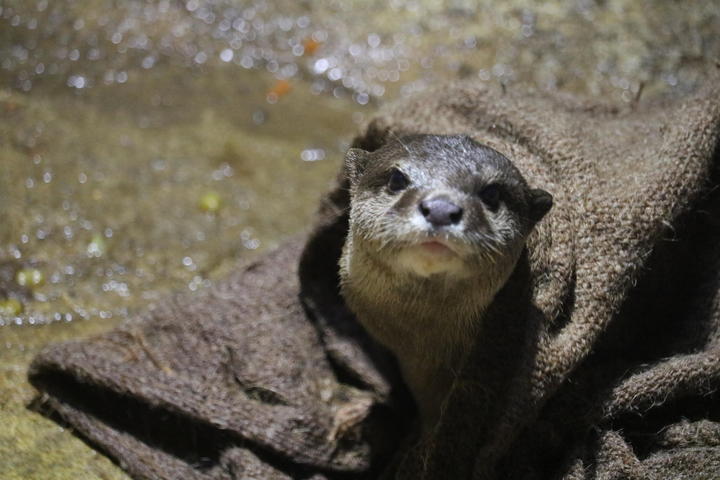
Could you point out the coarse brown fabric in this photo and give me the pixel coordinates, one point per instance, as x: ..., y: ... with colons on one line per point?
x: 230, y: 383
x: 600, y: 359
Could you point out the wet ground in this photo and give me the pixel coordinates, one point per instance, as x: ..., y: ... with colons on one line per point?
x: 147, y: 147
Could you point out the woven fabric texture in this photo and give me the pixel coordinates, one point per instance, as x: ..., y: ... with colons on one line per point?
x: 600, y: 358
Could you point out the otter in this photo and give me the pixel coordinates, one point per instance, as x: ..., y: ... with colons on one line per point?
x: 436, y: 226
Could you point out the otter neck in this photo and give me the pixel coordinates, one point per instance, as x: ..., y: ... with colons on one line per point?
x: 428, y: 322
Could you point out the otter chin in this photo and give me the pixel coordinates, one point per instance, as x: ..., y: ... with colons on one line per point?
x: 437, y: 224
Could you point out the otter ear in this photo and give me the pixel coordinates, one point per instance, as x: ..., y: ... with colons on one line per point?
x: 540, y: 203
x: 355, y: 162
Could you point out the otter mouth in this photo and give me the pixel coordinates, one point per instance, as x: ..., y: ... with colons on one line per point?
x: 436, y: 247
x: 429, y: 256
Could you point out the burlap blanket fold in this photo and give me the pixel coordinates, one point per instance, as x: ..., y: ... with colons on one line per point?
x: 600, y: 359
x: 230, y: 383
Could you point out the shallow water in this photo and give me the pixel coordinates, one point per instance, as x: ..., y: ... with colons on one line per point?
x: 147, y: 147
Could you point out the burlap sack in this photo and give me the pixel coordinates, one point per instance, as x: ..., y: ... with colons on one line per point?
x: 598, y: 360
x: 230, y: 383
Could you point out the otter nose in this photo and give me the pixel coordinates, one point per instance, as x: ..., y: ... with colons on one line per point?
x: 440, y: 212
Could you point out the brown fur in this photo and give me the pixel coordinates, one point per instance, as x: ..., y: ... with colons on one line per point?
x: 427, y: 308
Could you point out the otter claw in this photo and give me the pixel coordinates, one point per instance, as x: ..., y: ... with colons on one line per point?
x: 348, y: 417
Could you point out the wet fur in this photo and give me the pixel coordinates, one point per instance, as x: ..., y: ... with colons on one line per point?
x: 428, y: 308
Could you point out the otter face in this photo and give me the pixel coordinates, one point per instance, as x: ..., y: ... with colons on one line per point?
x: 429, y: 205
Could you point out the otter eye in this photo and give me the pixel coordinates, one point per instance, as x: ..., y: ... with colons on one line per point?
x: 490, y: 196
x: 397, y: 181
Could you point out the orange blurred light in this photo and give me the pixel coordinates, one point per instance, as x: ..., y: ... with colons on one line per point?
x: 281, y: 88
x: 310, y: 45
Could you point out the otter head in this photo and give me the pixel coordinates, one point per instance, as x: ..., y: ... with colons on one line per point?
x: 431, y: 206
x: 437, y: 224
